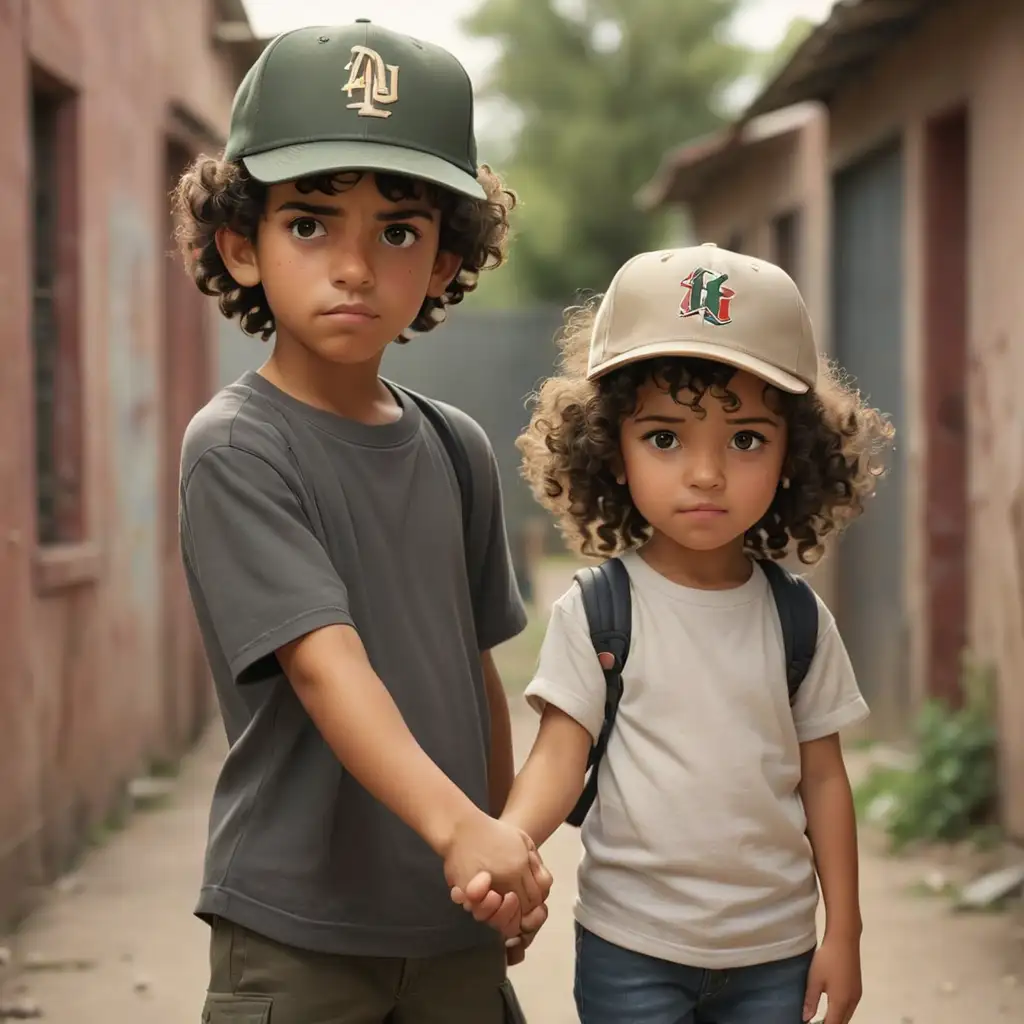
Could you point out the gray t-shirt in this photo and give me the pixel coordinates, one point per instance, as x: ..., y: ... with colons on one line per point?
x: 293, y: 519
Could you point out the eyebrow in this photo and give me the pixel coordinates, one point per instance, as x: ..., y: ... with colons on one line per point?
x: 313, y: 208
x: 745, y: 421
x: 749, y: 421
x: 386, y: 217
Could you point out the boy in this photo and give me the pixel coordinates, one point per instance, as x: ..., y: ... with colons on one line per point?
x: 347, y: 618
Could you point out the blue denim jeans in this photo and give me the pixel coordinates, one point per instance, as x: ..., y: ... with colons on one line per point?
x: 616, y: 986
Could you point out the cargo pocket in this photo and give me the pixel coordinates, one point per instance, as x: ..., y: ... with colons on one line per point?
x: 513, y: 1011
x: 226, y: 1008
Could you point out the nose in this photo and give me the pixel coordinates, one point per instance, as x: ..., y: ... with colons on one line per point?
x: 705, y: 469
x: 350, y: 263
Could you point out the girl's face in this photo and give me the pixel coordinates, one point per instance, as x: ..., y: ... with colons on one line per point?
x: 703, y: 479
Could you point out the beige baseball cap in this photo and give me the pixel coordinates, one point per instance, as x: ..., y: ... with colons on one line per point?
x: 711, y: 303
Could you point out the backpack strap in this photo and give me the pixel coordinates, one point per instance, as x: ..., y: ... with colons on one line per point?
x: 798, y: 614
x: 608, y: 605
x: 453, y: 446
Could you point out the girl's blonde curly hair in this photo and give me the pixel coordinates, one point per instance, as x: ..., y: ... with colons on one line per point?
x: 571, y: 454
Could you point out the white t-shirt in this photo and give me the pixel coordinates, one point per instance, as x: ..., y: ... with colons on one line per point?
x: 695, y: 850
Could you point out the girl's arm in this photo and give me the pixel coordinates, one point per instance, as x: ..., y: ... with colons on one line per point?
x: 551, y: 781
x: 832, y: 829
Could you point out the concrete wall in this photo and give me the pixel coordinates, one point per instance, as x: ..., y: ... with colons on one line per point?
x: 83, y: 693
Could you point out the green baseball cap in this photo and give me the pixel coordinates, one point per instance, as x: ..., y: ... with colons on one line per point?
x: 355, y: 97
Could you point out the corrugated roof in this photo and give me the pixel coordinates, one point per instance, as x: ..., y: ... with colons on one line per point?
x: 233, y: 31
x: 854, y: 34
x: 687, y: 171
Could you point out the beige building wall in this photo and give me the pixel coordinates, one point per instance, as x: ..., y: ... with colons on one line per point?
x: 973, y: 54
x: 965, y: 55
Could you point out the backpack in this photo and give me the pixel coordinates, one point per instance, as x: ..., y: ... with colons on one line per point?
x: 608, y: 605
x: 453, y: 446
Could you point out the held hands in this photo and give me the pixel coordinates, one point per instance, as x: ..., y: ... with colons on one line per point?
x: 503, y: 913
x: 835, y: 972
x: 487, y: 854
x: 508, y: 896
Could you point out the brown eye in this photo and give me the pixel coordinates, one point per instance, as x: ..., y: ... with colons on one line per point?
x: 399, y: 236
x: 747, y: 441
x: 663, y: 440
x: 307, y: 227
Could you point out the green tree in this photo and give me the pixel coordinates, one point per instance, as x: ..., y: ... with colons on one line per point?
x: 603, y: 89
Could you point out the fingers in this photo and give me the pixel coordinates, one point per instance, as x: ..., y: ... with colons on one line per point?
x: 486, y: 908
x: 506, y: 919
x: 533, y: 921
x: 500, y: 912
x: 812, y: 998
x: 529, y: 894
x: 540, y: 873
x: 479, y: 886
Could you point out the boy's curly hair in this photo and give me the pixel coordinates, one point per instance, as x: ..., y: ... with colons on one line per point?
x: 214, y: 194
x: 571, y: 450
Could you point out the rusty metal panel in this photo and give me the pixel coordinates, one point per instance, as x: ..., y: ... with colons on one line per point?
x: 868, y: 294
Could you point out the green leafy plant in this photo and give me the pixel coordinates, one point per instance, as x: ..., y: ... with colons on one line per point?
x: 950, y: 791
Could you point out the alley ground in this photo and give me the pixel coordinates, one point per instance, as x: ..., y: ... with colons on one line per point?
x: 123, y: 947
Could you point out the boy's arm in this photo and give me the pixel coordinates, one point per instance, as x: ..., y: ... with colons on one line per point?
x: 501, y: 769
x: 357, y: 717
x: 274, y: 600
x: 551, y: 781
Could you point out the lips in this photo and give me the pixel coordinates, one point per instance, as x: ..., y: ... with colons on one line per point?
x: 706, y: 509
x: 351, y: 309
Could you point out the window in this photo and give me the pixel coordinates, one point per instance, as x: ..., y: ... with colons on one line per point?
x: 55, y: 314
x: 786, y: 243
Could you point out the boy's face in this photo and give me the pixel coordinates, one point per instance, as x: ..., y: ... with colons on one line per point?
x: 703, y: 480
x: 344, y: 274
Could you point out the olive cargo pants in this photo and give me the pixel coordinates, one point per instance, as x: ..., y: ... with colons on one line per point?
x: 254, y: 980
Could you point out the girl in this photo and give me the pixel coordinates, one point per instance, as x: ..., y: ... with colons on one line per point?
x: 694, y: 432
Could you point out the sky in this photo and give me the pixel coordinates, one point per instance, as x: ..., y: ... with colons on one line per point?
x: 761, y: 24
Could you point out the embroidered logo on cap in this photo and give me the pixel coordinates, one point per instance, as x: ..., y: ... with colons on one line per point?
x: 377, y: 81
x: 707, y: 296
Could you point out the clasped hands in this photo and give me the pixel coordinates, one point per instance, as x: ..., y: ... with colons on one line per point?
x: 496, y: 874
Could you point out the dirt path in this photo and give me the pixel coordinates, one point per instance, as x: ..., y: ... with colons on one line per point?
x: 131, y: 919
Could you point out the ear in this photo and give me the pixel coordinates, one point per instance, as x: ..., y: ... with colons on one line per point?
x: 446, y: 266
x: 239, y: 256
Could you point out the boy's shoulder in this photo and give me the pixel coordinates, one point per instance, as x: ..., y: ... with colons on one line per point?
x: 468, y: 429
x: 233, y: 418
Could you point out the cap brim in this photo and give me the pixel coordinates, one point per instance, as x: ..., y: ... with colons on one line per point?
x: 703, y: 350
x: 291, y: 162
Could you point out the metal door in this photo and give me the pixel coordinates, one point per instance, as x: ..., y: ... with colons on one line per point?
x: 867, y: 300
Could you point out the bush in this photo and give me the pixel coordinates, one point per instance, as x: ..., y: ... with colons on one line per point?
x: 950, y: 792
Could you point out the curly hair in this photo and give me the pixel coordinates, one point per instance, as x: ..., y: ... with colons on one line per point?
x: 214, y: 194
x: 571, y: 456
